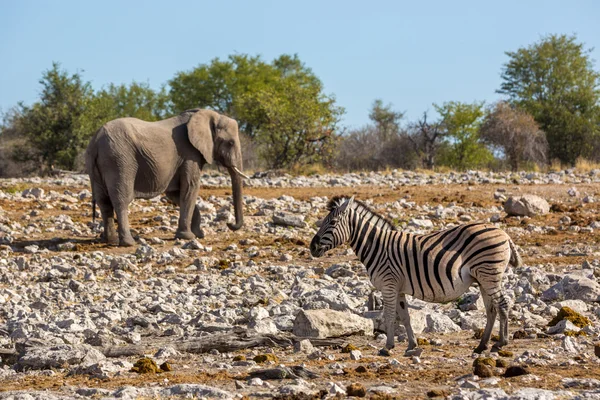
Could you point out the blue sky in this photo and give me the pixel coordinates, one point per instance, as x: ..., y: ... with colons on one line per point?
x: 410, y: 54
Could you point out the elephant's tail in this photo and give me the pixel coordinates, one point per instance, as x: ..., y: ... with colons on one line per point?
x: 93, y: 210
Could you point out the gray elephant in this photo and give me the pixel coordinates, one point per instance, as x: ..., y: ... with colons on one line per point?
x: 129, y: 158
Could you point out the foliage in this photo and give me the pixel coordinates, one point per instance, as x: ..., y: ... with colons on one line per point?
x: 516, y: 133
x: 554, y: 81
x: 295, y: 124
x: 379, y: 145
x: 461, y: 122
x: 279, y: 105
x: 59, y: 125
x: 386, y: 120
x: 52, y: 124
x: 223, y: 84
x: 426, y: 140
x: 135, y: 100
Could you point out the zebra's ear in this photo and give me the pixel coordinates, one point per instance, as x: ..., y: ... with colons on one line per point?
x: 342, y: 209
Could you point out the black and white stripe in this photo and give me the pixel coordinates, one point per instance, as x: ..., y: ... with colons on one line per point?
x: 436, y: 267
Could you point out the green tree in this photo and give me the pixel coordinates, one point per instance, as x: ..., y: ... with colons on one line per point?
x: 554, y: 81
x: 386, y: 120
x: 295, y: 123
x: 137, y: 100
x: 52, y: 124
x: 279, y: 105
x: 222, y: 84
x: 59, y: 125
x: 462, y: 122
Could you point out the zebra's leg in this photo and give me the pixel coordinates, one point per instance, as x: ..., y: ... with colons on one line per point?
x: 503, y: 307
x: 490, y: 312
x: 389, y: 314
x: 402, y: 310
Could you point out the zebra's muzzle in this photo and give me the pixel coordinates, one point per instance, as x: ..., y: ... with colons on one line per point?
x: 316, y: 250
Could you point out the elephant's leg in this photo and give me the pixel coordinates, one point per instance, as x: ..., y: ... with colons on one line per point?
x: 402, y: 310
x: 187, y: 209
x: 196, y: 229
x: 109, y: 235
x: 121, y: 196
x: 174, y: 196
x: 108, y: 216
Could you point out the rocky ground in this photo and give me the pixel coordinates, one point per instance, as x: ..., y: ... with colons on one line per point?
x: 228, y: 316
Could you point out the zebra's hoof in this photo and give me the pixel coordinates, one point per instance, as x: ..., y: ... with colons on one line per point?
x: 480, y: 349
x: 385, y: 352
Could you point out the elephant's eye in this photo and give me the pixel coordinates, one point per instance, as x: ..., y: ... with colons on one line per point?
x: 230, y: 142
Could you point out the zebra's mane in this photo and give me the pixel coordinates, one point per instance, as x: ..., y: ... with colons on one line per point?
x: 364, y: 210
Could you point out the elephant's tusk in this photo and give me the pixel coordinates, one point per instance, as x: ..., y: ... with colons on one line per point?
x: 240, y: 173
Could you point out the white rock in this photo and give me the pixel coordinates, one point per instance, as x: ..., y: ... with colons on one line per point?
x: 562, y: 326
x: 573, y: 287
x: 440, y: 323
x: 527, y: 205
x: 330, y: 323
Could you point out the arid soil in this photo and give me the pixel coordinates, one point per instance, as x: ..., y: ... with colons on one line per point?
x: 551, y: 243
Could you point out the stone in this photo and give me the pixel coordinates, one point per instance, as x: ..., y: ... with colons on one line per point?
x: 575, y: 305
x: 421, y: 223
x: 303, y: 346
x: 264, y: 326
x: 573, y: 287
x: 285, y: 219
x: 36, y: 193
x: 193, y: 390
x: 440, y: 323
x: 59, y: 356
x: 581, y: 383
x: 355, y: 355
x: 569, y: 345
x: 330, y: 323
x: 527, y: 205
x: 562, y: 326
x: 334, y: 389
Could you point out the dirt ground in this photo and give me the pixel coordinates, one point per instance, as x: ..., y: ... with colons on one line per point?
x: 440, y: 366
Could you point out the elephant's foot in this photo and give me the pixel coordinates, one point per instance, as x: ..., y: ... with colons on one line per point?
x: 187, y: 235
x: 126, y: 241
x: 109, y: 237
x: 198, y: 232
x: 390, y: 344
x: 413, y: 352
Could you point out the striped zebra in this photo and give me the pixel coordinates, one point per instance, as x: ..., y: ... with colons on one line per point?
x: 436, y: 267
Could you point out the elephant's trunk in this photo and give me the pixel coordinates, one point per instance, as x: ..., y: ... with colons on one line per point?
x: 238, y: 205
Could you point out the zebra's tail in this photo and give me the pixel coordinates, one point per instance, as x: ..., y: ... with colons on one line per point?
x: 515, y: 257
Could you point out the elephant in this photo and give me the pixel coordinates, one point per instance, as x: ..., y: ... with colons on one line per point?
x: 128, y: 158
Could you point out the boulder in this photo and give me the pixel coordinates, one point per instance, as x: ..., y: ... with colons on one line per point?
x: 573, y: 287
x: 326, y: 323
x: 193, y: 390
x: 285, y: 219
x: 58, y: 356
x: 527, y: 205
x: 440, y: 323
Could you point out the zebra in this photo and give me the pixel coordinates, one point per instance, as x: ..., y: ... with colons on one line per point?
x: 436, y: 267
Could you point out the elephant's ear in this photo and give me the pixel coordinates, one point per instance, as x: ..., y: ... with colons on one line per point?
x: 201, y: 127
